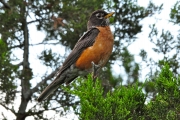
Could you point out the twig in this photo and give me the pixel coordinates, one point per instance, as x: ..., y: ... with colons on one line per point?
x: 16, y: 46
x: 42, y: 43
x: 8, y: 108
x: 37, y: 20
x: 5, y: 4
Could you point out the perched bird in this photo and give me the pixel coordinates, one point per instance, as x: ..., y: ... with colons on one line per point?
x: 94, y: 46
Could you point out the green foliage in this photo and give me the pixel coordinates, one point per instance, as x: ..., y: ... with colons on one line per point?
x: 49, y: 58
x: 7, y: 71
x: 166, y: 103
x: 119, y: 104
x: 175, y: 14
x: 129, y: 102
x: 165, y: 43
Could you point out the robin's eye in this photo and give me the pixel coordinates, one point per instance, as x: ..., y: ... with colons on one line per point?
x: 99, y: 16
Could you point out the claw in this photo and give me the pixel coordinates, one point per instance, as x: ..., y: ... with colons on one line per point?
x: 95, y: 69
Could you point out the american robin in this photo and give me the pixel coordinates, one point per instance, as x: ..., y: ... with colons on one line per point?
x: 94, y: 46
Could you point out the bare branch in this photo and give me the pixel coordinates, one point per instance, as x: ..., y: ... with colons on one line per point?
x: 37, y: 20
x: 19, y: 46
x: 19, y: 64
x: 42, y: 43
x: 7, y: 108
x: 35, y: 113
x: 33, y: 21
x: 5, y: 4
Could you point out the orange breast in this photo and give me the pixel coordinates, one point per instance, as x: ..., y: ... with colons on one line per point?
x: 100, y: 51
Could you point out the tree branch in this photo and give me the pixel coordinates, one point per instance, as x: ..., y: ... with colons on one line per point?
x: 37, y: 20
x: 10, y: 109
x: 26, y: 74
x: 19, y: 64
x: 42, y: 43
x: 33, y: 21
x: 15, y: 46
x: 5, y: 4
x: 35, y: 113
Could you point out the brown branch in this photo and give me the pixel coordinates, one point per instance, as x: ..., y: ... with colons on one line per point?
x: 7, y: 108
x: 19, y: 64
x: 37, y: 20
x: 35, y: 113
x: 5, y: 4
x: 33, y: 21
x: 30, y: 113
x: 26, y: 74
x: 42, y: 43
x: 19, y: 46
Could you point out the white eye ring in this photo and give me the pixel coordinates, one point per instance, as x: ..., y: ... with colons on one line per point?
x: 99, y: 15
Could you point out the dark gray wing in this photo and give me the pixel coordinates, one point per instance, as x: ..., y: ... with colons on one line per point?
x: 85, y: 41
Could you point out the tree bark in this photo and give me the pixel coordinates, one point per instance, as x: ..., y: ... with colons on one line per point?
x: 26, y: 74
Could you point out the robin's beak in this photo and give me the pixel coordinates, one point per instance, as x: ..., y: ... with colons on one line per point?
x: 109, y: 15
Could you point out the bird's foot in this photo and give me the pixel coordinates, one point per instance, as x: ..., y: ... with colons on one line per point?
x: 95, y: 69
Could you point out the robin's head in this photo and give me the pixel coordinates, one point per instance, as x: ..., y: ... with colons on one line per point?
x: 99, y: 18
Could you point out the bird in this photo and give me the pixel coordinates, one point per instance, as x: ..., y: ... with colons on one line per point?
x: 95, y: 46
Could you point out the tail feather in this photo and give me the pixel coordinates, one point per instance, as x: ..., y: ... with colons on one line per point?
x: 50, y: 89
x: 55, y: 84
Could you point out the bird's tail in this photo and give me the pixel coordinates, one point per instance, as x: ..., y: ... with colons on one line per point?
x: 50, y: 89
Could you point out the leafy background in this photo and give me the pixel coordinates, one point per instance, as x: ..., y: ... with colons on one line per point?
x: 37, y: 35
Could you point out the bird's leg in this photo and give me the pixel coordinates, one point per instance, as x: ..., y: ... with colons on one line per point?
x: 95, y: 69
